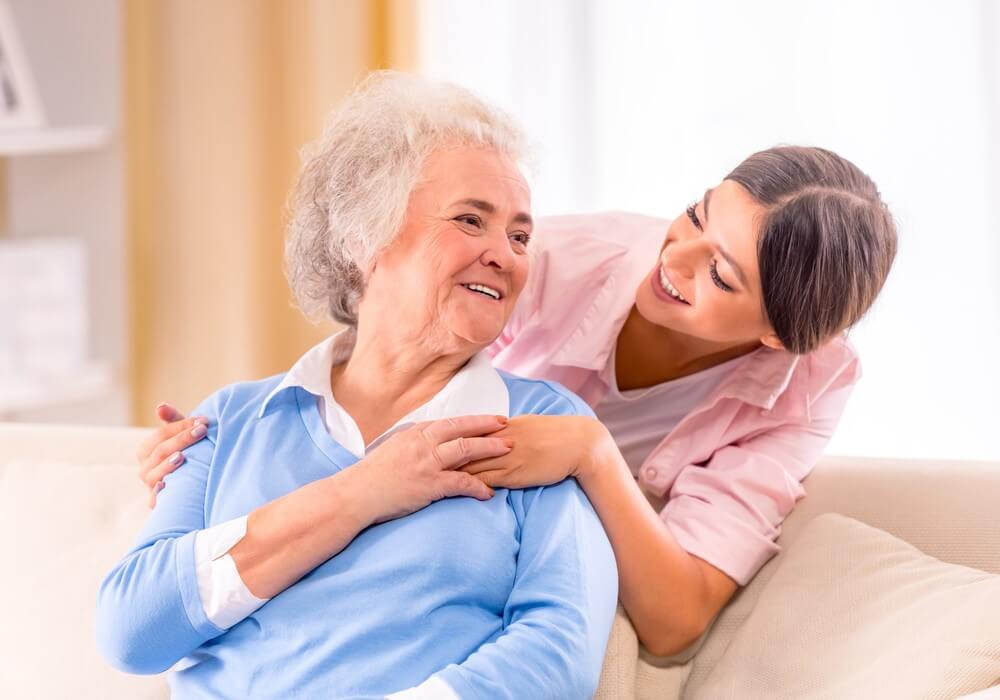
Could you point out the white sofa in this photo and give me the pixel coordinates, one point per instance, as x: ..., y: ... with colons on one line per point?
x: 70, y: 505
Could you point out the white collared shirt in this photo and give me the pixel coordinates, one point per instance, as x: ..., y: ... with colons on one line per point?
x: 476, y: 389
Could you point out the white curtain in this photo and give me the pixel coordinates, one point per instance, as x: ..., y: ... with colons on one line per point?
x: 642, y: 105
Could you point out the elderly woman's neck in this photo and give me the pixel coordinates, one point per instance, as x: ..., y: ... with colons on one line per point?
x: 387, y: 376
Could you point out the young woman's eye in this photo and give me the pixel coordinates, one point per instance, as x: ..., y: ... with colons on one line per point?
x: 521, y: 238
x: 714, y: 271
x: 693, y: 215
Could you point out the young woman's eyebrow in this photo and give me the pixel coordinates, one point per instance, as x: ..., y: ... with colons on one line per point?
x: 722, y: 251
x: 733, y: 264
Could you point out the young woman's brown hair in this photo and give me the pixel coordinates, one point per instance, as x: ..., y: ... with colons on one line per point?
x: 826, y: 242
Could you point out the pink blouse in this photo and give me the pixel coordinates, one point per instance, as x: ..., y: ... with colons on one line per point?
x: 729, y: 472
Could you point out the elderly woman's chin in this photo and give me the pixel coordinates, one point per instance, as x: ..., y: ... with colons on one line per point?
x: 474, y: 321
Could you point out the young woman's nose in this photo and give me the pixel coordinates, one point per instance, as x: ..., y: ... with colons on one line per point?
x: 685, y: 256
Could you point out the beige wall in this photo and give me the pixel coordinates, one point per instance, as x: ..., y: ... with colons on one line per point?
x: 219, y: 98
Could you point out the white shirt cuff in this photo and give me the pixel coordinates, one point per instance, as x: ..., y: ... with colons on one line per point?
x: 431, y: 689
x: 225, y: 597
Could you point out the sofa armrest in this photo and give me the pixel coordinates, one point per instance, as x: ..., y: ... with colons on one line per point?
x: 618, y: 672
x: 629, y: 673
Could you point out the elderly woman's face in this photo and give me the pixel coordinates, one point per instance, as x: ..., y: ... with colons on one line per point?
x: 456, y: 268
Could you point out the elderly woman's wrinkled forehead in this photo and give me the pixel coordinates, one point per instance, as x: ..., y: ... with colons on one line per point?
x: 467, y: 172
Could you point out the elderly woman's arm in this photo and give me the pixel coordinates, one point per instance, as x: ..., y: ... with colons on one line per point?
x: 150, y: 612
x: 150, y: 607
x: 559, y: 613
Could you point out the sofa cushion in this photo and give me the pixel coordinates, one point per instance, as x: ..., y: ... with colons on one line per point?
x: 63, y: 525
x: 852, y: 611
x: 947, y: 509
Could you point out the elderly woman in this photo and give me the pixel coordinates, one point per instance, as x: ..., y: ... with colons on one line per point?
x: 321, y: 541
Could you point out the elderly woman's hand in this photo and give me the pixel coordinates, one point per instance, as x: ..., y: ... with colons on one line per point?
x: 547, y: 449
x: 160, y: 453
x: 420, y: 465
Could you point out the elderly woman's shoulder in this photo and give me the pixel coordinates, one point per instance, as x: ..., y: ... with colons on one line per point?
x: 542, y: 397
x: 241, y: 399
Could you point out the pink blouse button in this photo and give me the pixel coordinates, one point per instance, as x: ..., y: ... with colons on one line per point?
x: 650, y: 472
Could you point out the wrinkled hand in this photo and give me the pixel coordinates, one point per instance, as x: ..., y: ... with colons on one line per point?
x: 419, y: 465
x: 161, y: 453
x: 547, y: 449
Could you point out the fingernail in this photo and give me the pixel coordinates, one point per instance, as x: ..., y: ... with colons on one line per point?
x: 199, y: 431
x: 175, y: 459
x: 509, y: 444
x: 201, y: 420
x: 492, y: 493
x: 502, y: 420
x: 158, y: 487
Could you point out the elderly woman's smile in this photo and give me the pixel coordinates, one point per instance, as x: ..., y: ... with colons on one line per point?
x: 454, y: 272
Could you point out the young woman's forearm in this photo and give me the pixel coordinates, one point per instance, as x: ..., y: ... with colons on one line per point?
x: 292, y: 535
x: 660, y: 584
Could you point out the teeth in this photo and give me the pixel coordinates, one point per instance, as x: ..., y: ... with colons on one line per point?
x: 489, y: 291
x: 670, y: 289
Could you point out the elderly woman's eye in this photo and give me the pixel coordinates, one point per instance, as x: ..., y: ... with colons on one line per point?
x: 520, y: 237
x: 470, y: 219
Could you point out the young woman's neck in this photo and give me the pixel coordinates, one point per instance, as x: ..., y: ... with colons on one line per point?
x: 388, y: 375
x: 647, y: 354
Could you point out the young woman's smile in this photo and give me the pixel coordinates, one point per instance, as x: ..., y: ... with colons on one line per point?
x: 664, y: 288
x: 706, y: 282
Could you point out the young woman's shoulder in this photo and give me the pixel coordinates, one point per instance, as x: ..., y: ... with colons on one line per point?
x: 573, y: 256
x: 614, y: 228
x: 835, y: 363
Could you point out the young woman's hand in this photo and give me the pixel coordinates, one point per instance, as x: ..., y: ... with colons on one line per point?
x: 160, y: 453
x: 420, y: 465
x: 547, y: 449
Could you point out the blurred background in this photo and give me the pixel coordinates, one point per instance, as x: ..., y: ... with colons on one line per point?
x: 147, y: 148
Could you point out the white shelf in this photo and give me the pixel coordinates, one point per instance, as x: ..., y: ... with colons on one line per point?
x: 24, y: 393
x: 29, y: 142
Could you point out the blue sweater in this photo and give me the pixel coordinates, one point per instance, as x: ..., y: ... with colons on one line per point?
x: 507, y: 598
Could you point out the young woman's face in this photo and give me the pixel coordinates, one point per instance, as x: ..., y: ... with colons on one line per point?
x: 706, y: 282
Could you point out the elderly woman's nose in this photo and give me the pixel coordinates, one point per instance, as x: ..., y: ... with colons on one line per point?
x: 498, y: 251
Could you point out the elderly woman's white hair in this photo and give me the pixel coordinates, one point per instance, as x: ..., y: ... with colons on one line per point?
x: 356, y: 180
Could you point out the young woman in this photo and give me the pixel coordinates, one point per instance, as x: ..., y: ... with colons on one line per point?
x: 712, y: 350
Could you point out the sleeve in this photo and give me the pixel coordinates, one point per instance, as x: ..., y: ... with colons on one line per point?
x: 729, y: 511
x: 149, y: 610
x: 432, y: 689
x: 226, y: 599
x: 559, y: 613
